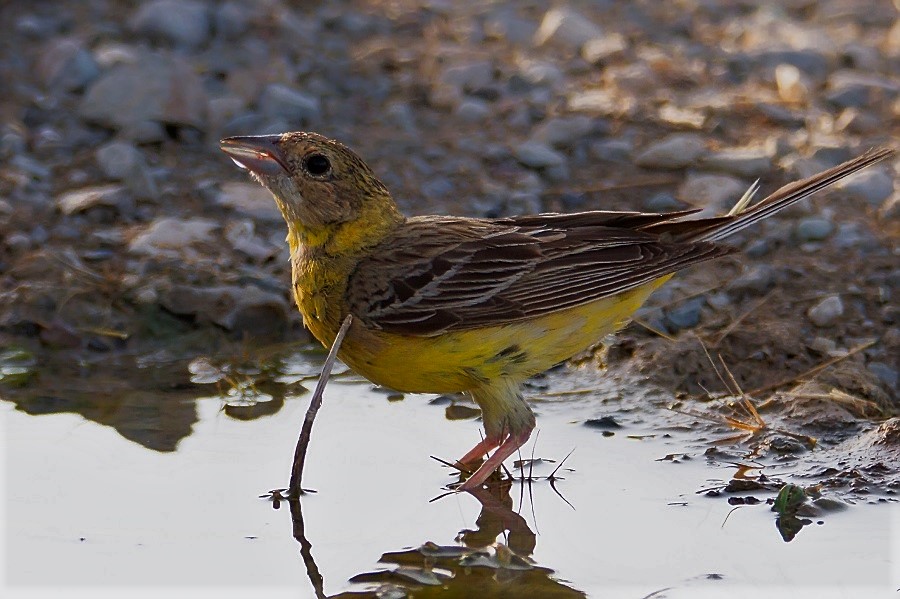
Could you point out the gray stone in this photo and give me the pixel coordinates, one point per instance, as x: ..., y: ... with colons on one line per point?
x: 171, y: 237
x: 674, y: 152
x: 538, y: 155
x: 250, y: 199
x: 504, y: 23
x: 814, y: 228
x: 885, y: 373
x: 563, y: 131
x: 742, y: 162
x: 154, y: 89
x: 849, y: 96
x: 241, y: 234
x: 183, y: 23
x: 756, y: 279
x: 685, y: 315
x: 612, y: 150
x: 65, y: 65
x: 827, y: 311
x: 279, y: 100
x: 439, y: 187
x: 118, y: 159
x: 468, y: 77
x: 662, y: 202
x: 565, y: 26
x: 540, y: 73
x: 873, y: 185
x: 472, y: 110
x: 232, y: 18
x: 246, y: 309
x: 716, y: 193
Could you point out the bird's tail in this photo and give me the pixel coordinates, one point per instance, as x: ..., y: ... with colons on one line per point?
x: 741, y: 216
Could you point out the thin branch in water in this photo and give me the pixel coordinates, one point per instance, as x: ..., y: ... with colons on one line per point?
x: 295, y: 489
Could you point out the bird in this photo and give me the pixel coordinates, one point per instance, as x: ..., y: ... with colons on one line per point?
x: 450, y: 304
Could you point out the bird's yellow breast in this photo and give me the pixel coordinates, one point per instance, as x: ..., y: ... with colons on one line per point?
x: 462, y: 360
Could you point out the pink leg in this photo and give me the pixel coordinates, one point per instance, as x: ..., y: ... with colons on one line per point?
x: 479, y: 451
x: 506, y: 449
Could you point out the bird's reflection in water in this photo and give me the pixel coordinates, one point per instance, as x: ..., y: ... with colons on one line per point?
x: 493, y: 560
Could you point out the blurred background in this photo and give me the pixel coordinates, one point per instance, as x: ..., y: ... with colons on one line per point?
x: 141, y: 271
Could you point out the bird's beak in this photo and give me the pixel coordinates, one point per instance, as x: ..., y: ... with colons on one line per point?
x: 259, y: 154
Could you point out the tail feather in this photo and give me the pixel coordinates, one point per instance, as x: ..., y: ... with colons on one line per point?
x: 720, y: 227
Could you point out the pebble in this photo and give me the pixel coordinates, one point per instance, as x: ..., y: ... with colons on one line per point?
x: 468, y: 77
x: 183, y: 23
x: 814, y: 228
x: 756, y: 279
x: 716, y: 193
x: 685, y: 315
x: 66, y: 65
x: 741, y: 162
x: 565, y: 131
x: 156, y: 89
x: 79, y: 200
x: 169, y: 236
x: 242, y: 236
x: 279, y: 100
x: 537, y: 155
x: 245, y: 310
x: 250, y: 199
x: 566, y: 26
x: 792, y: 85
x: 674, y: 152
x: 118, y: 159
x: 827, y: 311
x: 472, y: 110
x: 887, y: 374
x: 873, y: 186
x: 612, y: 150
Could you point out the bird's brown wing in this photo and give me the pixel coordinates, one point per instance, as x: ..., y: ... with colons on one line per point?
x: 443, y: 274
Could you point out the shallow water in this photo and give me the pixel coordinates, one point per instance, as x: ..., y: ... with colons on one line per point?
x: 91, y: 513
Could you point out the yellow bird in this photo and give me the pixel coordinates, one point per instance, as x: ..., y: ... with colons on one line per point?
x: 445, y: 304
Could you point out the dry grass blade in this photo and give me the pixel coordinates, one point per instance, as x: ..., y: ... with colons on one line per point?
x: 295, y: 488
x: 734, y: 323
x: 860, y: 407
x: 652, y: 329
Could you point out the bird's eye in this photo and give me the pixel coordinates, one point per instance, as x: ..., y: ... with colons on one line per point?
x: 317, y: 165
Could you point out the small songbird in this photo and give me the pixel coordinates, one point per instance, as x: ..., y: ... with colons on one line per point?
x: 445, y: 304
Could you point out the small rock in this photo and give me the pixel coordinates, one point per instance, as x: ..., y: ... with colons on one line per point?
x: 118, y: 159
x: 601, y: 49
x: 183, y: 23
x: 437, y: 188
x: 674, y: 152
x: 823, y: 345
x: 250, y: 199
x: 714, y: 192
x: 232, y: 18
x: 472, y: 110
x: 468, y: 77
x: 242, y: 237
x: 65, y: 65
x: 243, y: 310
x: 160, y: 89
x: 685, y: 315
x: 827, y: 311
x: 814, y: 228
x: 612, y: 150
x: 79, y: 200
x: 756, y: 279
x: 662, y: 202
x: 601, y: 101
x: 168, y: 236
x: 504, y: 23
x: 279, y: 100
x: 566, y: 26
x: 741, y: 162
x: 887, y: 374
x: 873, y: 185
x: 540, y: 73
x: 564, y: 131
x: 537, y: 155
x: 17, y: 242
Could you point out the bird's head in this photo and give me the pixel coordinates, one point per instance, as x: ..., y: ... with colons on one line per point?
x: 317, y: 182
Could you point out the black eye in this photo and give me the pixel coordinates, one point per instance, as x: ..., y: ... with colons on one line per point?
x: 317, y: 165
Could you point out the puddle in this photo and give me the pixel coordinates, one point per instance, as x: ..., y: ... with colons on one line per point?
x: 92, y: 509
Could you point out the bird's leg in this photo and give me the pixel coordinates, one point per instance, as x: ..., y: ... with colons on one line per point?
x: 480, y: 450
x: 506, y: 449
